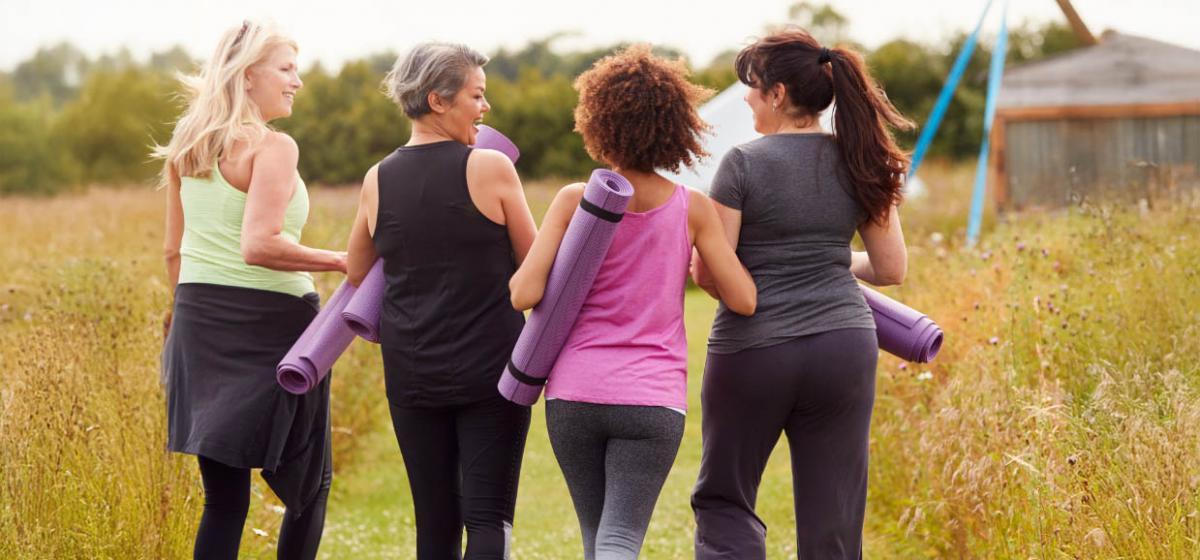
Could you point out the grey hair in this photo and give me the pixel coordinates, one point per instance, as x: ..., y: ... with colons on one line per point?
x: 430, y: 67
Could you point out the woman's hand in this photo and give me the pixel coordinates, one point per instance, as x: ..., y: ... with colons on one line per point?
x: 885, y: 262
x: 166, y: 324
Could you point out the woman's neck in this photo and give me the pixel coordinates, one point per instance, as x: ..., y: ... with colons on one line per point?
x: 650, y: 190
x: 425, y: 131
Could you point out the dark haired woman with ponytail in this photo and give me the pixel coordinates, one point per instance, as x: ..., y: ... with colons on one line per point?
x: 804, y: 363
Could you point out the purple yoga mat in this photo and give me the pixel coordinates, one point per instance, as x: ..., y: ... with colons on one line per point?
x: 313, y: 354
x: 491, y: 139
x: 583, y: 248
x: 903, y: 331
x: 362, y: 313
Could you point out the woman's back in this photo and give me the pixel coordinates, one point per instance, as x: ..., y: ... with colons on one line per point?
x: 798, y: 218
x: 628, y: 344
x: 447, y: 327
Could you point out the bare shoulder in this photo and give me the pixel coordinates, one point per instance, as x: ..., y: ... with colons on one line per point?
x: 489, y: 163
x: 278, y: 145
x: 571, y: 193
x: 700, y: 206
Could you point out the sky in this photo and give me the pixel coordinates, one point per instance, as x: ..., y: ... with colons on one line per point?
x: 333, y: 31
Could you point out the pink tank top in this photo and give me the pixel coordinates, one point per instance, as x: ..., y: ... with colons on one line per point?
x: 628, y: 345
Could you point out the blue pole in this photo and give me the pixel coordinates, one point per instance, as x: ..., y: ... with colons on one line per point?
x: 943, y: 102
x: 995, y: 73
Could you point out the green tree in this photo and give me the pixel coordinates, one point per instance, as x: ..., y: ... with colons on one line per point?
x: 30, y: 163
x: 108, y: 129
x: 537, y: 112
x: 344, y: 124
x: 55, y: 72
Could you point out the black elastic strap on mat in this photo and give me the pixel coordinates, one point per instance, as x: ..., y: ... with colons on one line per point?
x: 522, y: 377
x: 599, y: 212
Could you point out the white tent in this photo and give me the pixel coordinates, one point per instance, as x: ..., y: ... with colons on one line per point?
x: 733, y: 124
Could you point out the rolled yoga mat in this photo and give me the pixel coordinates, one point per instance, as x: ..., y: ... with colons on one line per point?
x: 362, y: 313
x: 579, y: 257
x: 313, y: 354
x: 903, y: 331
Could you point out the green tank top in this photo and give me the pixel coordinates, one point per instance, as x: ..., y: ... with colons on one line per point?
x: 211, y: 251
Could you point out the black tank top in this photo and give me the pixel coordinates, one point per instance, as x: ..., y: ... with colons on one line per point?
x: 447, y: 327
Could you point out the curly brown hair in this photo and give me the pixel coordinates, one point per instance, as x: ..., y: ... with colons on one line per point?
x: 637, y: 111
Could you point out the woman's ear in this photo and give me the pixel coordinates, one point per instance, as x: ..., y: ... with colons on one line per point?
x: 436, y: 103
x: 778, y: 94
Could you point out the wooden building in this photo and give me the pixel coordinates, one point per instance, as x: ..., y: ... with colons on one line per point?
x: 1118, y: 118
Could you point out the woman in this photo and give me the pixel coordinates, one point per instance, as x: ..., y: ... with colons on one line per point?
x: 617, y: 394
x: 804, y: 364
x: 243, y: 295
x: 451, y: 224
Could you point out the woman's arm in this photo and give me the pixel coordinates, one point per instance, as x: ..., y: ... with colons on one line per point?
x: 173, y: 239
x: 273, y: 180
x: 885, y: 261
x: 528, y: 285
x: 731, y: 225
x: 174, y: 230
x: 494, y: 172
x: 360, y: 249
x: 731, y: 281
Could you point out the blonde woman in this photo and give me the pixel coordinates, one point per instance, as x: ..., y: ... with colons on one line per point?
x: 243, y: 295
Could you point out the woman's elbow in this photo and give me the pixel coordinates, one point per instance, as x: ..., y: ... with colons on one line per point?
x: 893, y: 277
x: 253, y: 253
x: 744, y: 305
x: 521, y: 301
x: 521, y: 296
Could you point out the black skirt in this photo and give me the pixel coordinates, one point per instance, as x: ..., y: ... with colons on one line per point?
x: 218, y: 368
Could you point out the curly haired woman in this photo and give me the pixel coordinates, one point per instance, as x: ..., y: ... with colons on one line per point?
x: 617, y: 395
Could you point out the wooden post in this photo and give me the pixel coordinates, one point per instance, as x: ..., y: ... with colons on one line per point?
x: 1081, y: 30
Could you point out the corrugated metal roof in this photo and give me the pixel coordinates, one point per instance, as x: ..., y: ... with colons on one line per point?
x: 1122, y: 69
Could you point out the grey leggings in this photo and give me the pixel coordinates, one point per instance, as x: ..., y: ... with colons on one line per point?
x: 615, y: 459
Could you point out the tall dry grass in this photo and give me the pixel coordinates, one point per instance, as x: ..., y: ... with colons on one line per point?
x: 83, y: 468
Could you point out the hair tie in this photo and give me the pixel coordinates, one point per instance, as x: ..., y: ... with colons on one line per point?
x: 825, y: 56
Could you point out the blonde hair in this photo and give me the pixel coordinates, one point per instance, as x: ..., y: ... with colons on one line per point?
x: 219, y: 112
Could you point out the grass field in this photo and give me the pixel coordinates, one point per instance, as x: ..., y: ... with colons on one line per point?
x: 1062, y: 419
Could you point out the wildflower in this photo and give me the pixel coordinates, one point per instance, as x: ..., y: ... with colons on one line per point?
x: 1020, y: 246
x: 259, y: 532
x: 994, y: 340
x: 925, y: 376
x: 903, y: 366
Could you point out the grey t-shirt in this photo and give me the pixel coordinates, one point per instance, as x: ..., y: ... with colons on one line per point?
x: 798, y: 218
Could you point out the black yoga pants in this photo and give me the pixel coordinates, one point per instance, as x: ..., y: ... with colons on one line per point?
x: 226, y: 502
x: 818, y: 390
x: 463, y: 465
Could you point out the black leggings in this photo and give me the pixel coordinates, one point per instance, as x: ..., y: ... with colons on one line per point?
x: 226, y: 502
x: 463, y: 465
x: 818, y: 390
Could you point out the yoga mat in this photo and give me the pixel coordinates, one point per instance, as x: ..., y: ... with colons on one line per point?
x: 583, y: 248
x: 490, y: 139
x: 362, y: 313
x: 903, y: 331
x: 313, y: 354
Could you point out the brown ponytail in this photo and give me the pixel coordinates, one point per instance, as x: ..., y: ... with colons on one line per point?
x: 863, y: 117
